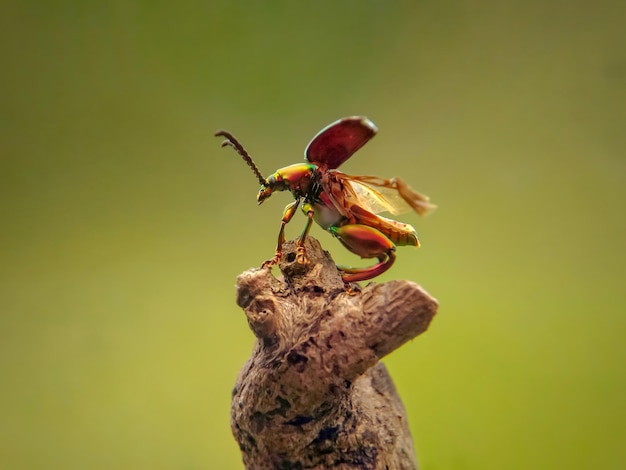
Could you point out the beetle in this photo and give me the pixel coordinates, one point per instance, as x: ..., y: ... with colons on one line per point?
x: 346, y: 206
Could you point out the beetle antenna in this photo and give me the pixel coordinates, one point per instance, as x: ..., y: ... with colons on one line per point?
x: 231, y: 141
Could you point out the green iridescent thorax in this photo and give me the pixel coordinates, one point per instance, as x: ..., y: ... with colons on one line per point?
x: 296, y: 178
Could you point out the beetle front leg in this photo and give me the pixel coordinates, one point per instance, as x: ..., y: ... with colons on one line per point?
x: 367, y: 242
x: 290, y: 210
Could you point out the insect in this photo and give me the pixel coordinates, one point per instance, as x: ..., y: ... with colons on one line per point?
x: 346, y: 206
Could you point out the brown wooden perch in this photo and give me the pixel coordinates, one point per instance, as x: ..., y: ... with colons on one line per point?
x: 314, y: 394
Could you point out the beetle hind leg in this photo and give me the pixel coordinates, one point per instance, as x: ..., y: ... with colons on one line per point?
x: 349, y: 274
x: 367, y: 242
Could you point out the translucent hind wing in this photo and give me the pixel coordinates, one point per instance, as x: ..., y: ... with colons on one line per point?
x: 375, y: 200
x: 385, y: 195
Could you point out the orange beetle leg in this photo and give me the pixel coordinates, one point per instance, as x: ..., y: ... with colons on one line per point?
x: 301, y: 257
x: 290, y: 210
x: 367, y: 242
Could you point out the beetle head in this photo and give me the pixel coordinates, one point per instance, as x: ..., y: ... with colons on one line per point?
x: 273, y: 183
x: 264, y: 193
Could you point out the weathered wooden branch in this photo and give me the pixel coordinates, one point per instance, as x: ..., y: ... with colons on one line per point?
x: 314, y: 394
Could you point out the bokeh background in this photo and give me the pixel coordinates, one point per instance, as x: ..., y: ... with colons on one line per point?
x: 124, y: 225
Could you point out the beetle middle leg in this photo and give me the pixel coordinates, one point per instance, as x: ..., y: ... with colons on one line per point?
x: 301, y: 257
x: 367, y: 242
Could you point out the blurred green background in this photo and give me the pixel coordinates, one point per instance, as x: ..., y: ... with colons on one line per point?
x: 124, y: 225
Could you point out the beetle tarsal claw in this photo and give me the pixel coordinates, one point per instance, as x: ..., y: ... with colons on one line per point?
x: 352, y: 288
x: 271, y: 262
x: 301, y: 256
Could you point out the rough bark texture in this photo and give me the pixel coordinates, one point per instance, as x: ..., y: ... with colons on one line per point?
x: 313, y: 395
